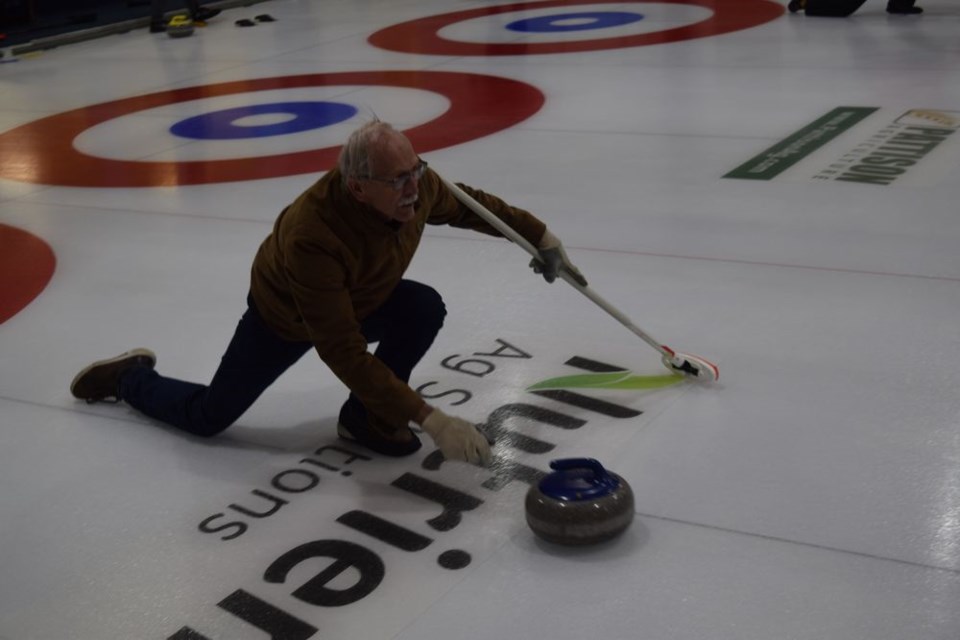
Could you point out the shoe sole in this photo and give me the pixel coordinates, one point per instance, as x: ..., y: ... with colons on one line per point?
x: 383, y: 446
x: 146, y: 353
x: 343, y: 433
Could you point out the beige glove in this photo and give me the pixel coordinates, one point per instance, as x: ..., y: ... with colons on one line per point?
x: 553, y: 258
x: 457, y: 438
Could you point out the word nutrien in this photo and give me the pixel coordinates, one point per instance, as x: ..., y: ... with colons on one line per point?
x: 368, y: 568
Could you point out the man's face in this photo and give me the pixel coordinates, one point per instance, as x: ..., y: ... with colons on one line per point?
x: 391, y: 160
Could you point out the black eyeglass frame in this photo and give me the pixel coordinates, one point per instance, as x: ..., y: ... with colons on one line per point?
x: 398, y: 183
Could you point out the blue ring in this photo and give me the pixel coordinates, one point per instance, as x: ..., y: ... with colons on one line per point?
x: 219, y: 125
x: 601, y: 20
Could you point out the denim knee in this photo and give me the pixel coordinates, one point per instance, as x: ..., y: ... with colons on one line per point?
x: 431, y: 308
x: 209, y: 428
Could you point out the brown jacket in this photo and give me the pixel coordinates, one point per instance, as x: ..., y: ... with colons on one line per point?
x: 331, y: 261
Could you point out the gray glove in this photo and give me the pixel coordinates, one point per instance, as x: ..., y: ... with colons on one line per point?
x: 457, y: 438
x: 553, y: 258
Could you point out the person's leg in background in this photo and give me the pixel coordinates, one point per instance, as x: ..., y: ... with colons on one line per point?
x: 904, y: 7
x: 157, y: 22
x: 200, y: 14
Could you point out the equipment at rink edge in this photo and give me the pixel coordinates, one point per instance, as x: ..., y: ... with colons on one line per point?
x: 180, y: 27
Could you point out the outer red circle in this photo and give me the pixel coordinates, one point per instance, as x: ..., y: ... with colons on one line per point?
x: 42, y: 151
x: 420, y: 36
x: 26, y: 265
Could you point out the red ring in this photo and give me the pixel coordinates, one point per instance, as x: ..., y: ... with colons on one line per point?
x: 26, y: 265
x: 42, y: 151
x: 420, y: 36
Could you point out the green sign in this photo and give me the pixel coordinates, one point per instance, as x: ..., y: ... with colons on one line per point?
x: 792, y: 150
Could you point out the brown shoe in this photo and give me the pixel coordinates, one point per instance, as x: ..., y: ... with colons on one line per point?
x: 357, y: 426
x: 100, y: 382
x: 401, y: 442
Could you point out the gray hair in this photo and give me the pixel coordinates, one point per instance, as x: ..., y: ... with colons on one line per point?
x: 354, y: 161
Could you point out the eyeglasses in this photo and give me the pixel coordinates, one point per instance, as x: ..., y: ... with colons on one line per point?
x: 398, y: 183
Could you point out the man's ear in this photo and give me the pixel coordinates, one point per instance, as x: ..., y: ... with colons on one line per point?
x: 356, y: 189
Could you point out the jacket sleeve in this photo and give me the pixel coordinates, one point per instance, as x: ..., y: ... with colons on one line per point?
x: 319, y: 289
x: 450, y: 211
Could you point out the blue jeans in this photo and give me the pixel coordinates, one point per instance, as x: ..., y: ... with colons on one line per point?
x: 404, y: 326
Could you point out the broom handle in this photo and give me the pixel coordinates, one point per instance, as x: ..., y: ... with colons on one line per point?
x: 510, y: 233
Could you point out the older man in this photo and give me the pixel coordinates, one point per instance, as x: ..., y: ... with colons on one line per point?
x: 330, y: 278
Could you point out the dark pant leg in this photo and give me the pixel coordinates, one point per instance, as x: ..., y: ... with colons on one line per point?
x: 405, y: 327
x: 255, y: 358
x: 157, y: 8
x: 832, y: 8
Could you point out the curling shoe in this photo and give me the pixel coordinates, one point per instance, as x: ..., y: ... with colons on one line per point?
x: 203, y: 14
x: 403, y: 443
x: 360, y: 429
x: 100, y: 382
x: 903, y: 8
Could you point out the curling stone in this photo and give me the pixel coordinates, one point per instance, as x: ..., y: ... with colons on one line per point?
x: 180, y: 27
x: 580, y: 503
